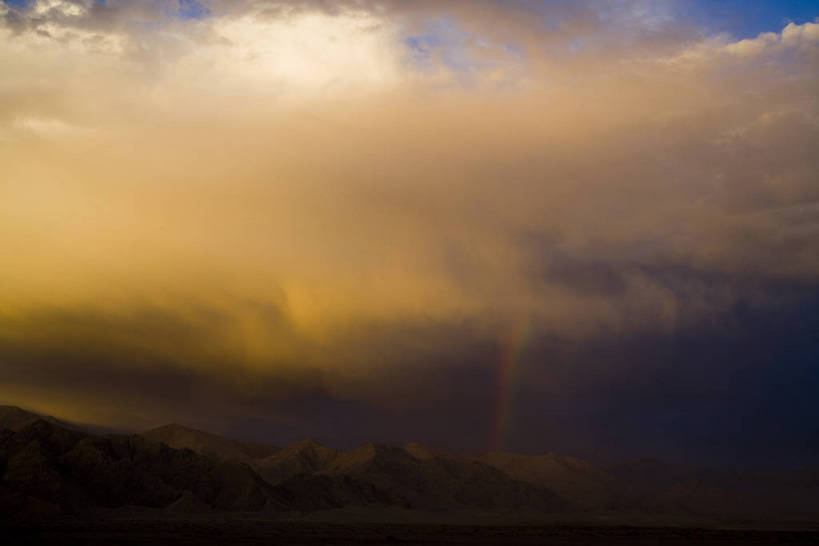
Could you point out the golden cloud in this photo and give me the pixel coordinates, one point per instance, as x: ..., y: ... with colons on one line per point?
x: 282, y: 181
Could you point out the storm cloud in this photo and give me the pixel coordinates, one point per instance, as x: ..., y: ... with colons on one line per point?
x: 333, y: 219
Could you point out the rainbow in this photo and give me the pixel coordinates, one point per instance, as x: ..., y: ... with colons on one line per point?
x: 508, y: 367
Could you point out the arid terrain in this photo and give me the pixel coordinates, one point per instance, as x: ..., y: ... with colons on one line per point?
x: 271, y: 532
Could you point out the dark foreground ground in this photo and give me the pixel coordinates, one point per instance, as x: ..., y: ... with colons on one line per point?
x: 272, y: 532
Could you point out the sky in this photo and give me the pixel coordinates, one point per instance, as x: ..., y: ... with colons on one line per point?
x: 589, y: 228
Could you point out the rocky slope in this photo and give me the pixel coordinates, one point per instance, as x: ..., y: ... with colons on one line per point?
x: 50, y: 469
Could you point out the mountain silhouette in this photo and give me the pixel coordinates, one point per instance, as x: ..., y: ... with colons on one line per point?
x: 49, y: 469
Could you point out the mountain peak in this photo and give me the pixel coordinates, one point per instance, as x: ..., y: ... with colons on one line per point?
x: 176, y: 427
x: 309, y: 443
x: 183, y: 437
x: 14, y: 418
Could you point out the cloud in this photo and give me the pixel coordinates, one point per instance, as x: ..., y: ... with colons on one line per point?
x: 324, y: 197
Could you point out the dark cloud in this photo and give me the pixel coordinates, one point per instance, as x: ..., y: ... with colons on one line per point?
x: 736, y: 389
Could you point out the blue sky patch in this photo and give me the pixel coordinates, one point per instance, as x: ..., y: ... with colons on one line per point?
x: 191, y: 9
x: 748, y: 18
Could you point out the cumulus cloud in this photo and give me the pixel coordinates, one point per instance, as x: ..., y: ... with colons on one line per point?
x: 356, y: 191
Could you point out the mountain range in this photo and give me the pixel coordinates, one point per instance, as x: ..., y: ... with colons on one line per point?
x: 50, y: 469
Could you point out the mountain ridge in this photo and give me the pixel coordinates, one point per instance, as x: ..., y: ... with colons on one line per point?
x: 48, y: 469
